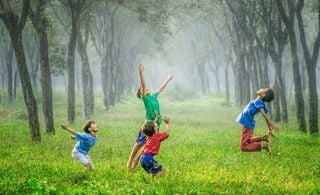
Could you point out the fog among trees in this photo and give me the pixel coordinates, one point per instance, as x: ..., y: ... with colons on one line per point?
x: 90, y: 49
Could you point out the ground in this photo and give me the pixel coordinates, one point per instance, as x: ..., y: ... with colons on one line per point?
x: 201, y: 155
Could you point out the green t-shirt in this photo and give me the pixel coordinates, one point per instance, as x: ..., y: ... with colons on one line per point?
x: 152, y: 106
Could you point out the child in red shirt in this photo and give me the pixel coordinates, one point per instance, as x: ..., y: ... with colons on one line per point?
x: 154, y: 139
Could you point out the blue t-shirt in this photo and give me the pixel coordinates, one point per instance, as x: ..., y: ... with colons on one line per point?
x: 85, y: 142
x: 246, y: 117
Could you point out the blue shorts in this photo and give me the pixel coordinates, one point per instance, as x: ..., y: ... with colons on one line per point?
x: 149, y: 164
x: 142, y: 138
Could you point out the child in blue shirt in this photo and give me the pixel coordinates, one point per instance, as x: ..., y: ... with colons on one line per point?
x: 246, y: 118
x: 85, y: 141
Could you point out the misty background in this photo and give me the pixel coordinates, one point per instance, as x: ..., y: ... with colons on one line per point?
x: 90, y: 50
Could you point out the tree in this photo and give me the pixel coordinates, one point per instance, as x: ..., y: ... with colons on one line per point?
x: 276, y: 32
x: 38, y: 19
x: 87, y: 80
x: 288, y: 21
x: 75, y: 8
x: 311, y: 63
x: 14, y: 25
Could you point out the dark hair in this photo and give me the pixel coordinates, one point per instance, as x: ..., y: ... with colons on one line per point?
x: 87, y: 125
x: 269, y: 96
x: 139, y: 93
x: 148, y: 128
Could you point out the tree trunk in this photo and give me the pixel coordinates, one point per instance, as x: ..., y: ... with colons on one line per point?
x: 276, y: 102
x: 104, y: 83
x: 15, y: 25
x: 289, y: 24
x: 46, y: 84
x: 311, y: 62
x: 87, y: 80
x: 15, y: 84
x: 9, y: 58
x: 39, y: 23
x: 226, y: 75
x: 75, y: 14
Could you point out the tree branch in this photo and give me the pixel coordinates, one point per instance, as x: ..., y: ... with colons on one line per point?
x: 24, y: 15
x: 282, y: 13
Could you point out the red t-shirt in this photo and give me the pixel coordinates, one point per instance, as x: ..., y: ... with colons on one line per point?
x: 153, y: 143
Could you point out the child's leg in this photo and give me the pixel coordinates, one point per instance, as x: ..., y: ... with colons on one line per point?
x: 247, y: 143
x: 140, y: 141
x: 131, y: 163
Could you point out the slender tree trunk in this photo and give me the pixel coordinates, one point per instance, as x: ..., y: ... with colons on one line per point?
x: 39, y: 23
x: 27, y: 88
x: 226, y: 75
x: 46, y: 84
x: 15, y: 84
x: 75, y: 13
x: 276, y: 102
x: 104, y: 83
x: 9, y: 59
x: 310, y: 61
x: 87, y: 80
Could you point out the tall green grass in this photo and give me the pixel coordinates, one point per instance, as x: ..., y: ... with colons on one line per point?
x: 200, y: 156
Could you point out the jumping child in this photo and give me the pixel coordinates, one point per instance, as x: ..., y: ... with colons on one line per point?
x: 85, y: 141
x: 246, y: 118
x: 152, y: 147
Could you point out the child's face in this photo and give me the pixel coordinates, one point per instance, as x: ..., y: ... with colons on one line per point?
x: 262, y: 92
x: 94, y: 127
x: 156, y: 127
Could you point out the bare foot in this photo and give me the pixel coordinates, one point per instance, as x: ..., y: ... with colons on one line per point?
x: 157, y: 175
x: 266, y: 138
x: 267, y: 147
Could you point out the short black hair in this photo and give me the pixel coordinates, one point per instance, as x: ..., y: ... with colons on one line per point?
x: 148, y: 128
x: 269, y: 96
x: 87, y: 125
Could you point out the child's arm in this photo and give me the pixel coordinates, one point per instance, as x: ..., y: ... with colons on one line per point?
x: 270, y: 124
x: 68, y: 129
x: 165, y: 83
x: 167, y: 120
x: 142, y: 81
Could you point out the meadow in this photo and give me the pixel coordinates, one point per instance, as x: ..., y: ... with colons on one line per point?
x: 201, y: 155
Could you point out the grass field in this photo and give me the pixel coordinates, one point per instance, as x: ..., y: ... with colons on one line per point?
x: 200, y: 156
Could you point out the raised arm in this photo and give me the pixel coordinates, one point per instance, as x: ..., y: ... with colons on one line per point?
x: 73, y: 132
x: 165, y: 83
x: 167, y: 121
x: 270, y: 124
x: 142, y: 81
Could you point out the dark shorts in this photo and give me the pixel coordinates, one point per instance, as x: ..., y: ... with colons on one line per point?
x: 149, y: 164
x: 141, y: 139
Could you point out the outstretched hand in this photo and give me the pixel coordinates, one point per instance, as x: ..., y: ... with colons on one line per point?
x: 166, y: 119
x: 170, y: 77
x: 141, y: 67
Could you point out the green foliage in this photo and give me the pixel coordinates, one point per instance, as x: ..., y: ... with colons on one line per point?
x: 201, y: 156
